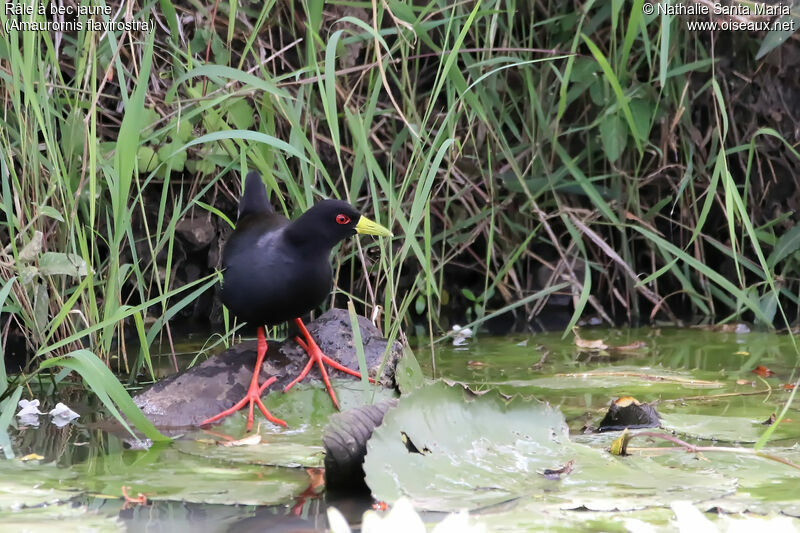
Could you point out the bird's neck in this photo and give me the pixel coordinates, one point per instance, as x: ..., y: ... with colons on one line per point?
x: 307, y: 239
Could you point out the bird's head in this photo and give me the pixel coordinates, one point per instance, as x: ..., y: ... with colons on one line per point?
x: 330, y: 221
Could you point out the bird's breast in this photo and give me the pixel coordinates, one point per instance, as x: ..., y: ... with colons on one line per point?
x: 269, y: 287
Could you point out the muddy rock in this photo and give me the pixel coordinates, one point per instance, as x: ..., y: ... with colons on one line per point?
x: 191, y: 396
x: 197, y: 233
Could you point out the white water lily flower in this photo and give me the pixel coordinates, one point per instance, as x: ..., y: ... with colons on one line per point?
x: 402, y: 518
x: 29, y: 407
x: 29, y: 412
x: 460, y: 335
x: 63, y: 415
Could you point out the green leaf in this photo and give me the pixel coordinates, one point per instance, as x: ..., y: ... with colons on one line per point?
x: 220, y: 71
x: 166, y: 474
x: 419, y: 304
x: 146, y: 159
x: 30, y: 484
x: 293, y: 450
x: 9, y: 407
x: 722, y: 428
x: 613, y: 134
x: 643, y: 111
x: 5, y: 290
x: 222, y: 55
x: 73, y: 134
x: 150, y: 118
x: 50, y: 211
x: 57, y: 263
x: 447, y: 449
x: 403, y: 11
x: 768, y: 303
x: 182, y: 131
x: 622, y: 98
x: 787, y: 25
x: 241, y: 115
x: 172, y: 153
x: 787, y: 244
x: 408, y: 374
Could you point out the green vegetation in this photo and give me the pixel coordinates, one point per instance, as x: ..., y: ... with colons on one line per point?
x: 516, y: 149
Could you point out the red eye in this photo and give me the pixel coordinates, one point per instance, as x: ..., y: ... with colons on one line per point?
x: 342, y: 219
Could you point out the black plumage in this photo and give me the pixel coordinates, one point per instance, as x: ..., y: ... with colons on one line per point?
x: 278, y: 270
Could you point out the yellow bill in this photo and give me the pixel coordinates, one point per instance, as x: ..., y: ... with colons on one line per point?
x: 368, y: 227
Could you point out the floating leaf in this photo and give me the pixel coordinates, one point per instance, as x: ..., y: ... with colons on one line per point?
x: 484, y: 450
x: 293, y: 450
x: 166, y: 474
x: 307, y: 409
x: 250, y: 440
x: 27, y: 484
x: 408, y: 373
x: 62, y: 517
x: 722, y: 428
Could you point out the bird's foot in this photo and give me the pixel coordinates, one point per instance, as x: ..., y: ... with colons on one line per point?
x: 254, y: 392
x: 315, y: 355
x: 252, y: 398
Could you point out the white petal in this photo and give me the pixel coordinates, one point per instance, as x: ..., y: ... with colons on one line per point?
x: 63, y: 415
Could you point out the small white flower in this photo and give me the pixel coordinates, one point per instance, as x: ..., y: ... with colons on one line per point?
x: 63, y: 415
x: 460, y: 335
x: 29, y: 407
x: 29, y: 413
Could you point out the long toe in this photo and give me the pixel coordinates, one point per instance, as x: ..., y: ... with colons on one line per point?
x: 315, y: 355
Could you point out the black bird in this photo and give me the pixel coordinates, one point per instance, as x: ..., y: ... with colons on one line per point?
x: 277, y: 270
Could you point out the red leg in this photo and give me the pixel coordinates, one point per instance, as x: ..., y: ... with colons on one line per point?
x: 315, y: 355
x: 254, y: 392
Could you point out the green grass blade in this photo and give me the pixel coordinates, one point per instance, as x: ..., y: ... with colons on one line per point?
x: 107, y: 387
x: 9, y: 406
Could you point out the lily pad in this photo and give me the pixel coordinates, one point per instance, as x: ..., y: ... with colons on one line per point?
x: 306, y: 408
x: 68, y: 518
x: 447, y: 449
x: 624, y: 378
x: 408, y: 373
x: 290, y: 450
x: 722, y: 428
x: 31, y: 484
x: 167, y: 474
x: 308, y: 404
x: 765, y: 486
